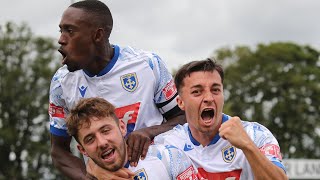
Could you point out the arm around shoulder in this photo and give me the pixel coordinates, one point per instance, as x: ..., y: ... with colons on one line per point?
x: 63, y: 159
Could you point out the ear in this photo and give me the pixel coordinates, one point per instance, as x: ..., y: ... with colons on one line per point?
x: 122, y: 127
x: 180, y: 103
x: 99, y: 35
x: 82, y: 150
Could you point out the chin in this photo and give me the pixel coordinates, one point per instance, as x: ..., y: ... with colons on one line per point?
x: 72, y: 69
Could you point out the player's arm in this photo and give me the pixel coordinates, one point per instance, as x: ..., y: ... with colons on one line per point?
x: 233, y: 131
x: 140, y: 140
x: 63, y: 159
x: 165, y: 98
x: 96, y: 172
x: 261, y: 166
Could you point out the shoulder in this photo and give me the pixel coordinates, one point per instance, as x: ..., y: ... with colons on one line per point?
x: 177, y: 163
x: 259, y: 133
x: 129, y: 53
x: 168, y: 154
x: 59, y: 75
x: 178, y: 132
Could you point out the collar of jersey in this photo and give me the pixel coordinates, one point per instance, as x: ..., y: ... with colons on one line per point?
x: 110, y: 65
x: 215, y: 138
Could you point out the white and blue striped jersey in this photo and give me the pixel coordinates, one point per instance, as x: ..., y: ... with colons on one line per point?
x: 164, y: 163
x: 219, y: 159
x: 136, y: 82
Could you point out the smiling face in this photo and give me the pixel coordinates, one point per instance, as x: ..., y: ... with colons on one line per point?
x: 103, y: 142
x: 76, y: 39
x: 201, y: 97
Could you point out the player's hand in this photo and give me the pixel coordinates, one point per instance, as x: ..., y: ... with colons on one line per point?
x: 138, y: 143
x: 100, y: 173
x: 233, y: 131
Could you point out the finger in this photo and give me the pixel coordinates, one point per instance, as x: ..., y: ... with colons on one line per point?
x: 130, y: 173
x: 129, y: 147
x: 136, y: 151
x: 224, y: 132
x: 145, y: 148
x: 124, y: 173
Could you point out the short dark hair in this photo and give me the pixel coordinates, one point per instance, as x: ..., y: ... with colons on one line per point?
x: 195, y: 66
x: 99, y: 11
x: 86, y: 109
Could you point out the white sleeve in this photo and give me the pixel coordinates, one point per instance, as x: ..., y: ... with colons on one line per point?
x: 166, y: 92
x: 57, y: 108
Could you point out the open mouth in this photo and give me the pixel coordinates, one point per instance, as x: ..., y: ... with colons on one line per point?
x: 63, y: 55
x: 207, y: 114
x: 106, y: 155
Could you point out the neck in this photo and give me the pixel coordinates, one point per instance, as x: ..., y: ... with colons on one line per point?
x: 204, y: 137
x: 102, y: 59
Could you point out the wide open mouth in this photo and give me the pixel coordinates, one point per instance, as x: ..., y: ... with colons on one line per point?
x: 62, y: 53
x: 107, y: 154
x: 207, y: 114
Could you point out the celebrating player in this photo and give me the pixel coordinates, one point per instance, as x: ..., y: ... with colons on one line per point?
x: 100, y: 135
x: 135, y: 81
x: 220, y: 146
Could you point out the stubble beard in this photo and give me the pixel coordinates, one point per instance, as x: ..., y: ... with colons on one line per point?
x: 118, y: 164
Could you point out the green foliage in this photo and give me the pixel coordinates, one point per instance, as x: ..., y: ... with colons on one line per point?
x: 26, y: 66
x: 277, y: 85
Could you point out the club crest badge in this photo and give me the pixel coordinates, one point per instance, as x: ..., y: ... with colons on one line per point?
x: 229, y: 153
x: 129, y: 82
x: 140, y: 175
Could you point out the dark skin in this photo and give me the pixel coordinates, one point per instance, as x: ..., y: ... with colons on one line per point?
x: 86, y: 46
x: 138, y: 141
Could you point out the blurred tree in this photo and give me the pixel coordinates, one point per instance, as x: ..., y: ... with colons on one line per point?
x: 26, y: 66
x: 277, y: 85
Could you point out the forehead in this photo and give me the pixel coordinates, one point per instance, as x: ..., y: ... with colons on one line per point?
x: 203, y: 78
x: 74, y: 16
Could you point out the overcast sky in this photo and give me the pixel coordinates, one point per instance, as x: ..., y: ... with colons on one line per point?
x: 184, y: 30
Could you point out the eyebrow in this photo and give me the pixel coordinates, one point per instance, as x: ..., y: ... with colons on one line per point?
x: 104, y: 126
x: 200, y: 86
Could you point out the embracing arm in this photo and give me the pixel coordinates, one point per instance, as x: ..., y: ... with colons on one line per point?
x: 63, y: 159
x: 138, y: 141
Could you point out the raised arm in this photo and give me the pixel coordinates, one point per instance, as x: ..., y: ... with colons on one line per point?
x: 262, y: 167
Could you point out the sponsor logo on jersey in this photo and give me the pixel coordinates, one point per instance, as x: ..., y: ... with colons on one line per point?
x: 170, y: 90
x: 140, y: 175
x: 187, y: 147
x: 56, y: 111
x: 128, y: 114
x: 271, y: 150
x: 188, y: 174
x: 83, y: 90
x: 129, y: 82
x: 230, y: 175
x: 229, y: 153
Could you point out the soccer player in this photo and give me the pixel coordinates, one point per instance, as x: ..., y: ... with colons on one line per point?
x: 135, y: 81
x: 100, y: 135
x: 220, y: 146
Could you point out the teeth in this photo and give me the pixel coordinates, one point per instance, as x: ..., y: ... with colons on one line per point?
x: 106, y: 153
x: 207, y: 114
